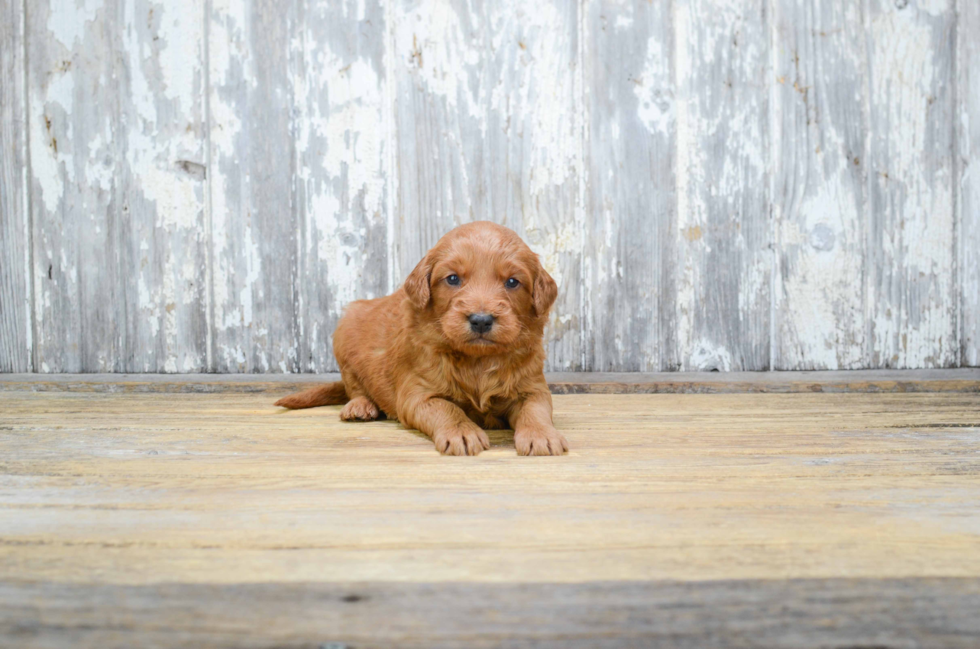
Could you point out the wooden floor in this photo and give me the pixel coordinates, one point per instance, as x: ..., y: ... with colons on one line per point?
x: 690, y: 520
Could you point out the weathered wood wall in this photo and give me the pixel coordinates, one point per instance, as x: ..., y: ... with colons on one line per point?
x: 201, y: 185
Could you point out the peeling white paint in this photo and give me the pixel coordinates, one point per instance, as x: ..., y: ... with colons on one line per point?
x: 493, y: 100
x: 653, y: 90
x: 912, y: 188
x: 68, y: 19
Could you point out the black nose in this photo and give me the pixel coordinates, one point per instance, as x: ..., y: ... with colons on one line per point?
x: 481, y: 322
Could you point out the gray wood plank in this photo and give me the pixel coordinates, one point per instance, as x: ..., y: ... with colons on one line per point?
x: 117, y: 185
x: 820, y: 201
x: 342, y: 170
x: 533, y: 141
x: 255, y: 222
x: 911, y: 290
x: 967, y: 121
x: 723, y: 257
x: 798, y: 613
x: 347, y: 137
x: 488, y: 119
x: 440, y: 117
x: 964, y: 380
x: 16, y: 341
x: 632, y: 204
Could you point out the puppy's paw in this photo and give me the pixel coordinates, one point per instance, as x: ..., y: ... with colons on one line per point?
x: 540, y: 441
x: 465, y: 440
x: 360, y: 409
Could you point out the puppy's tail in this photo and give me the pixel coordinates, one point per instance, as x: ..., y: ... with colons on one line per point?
x: 329, y: 394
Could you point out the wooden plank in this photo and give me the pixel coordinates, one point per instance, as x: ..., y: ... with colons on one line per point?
x: 630, y: 295
x: 116, y: 94
x: 488, y: 119
x: 223, y: 489
x: 820, y: 202
x: 794, y: 614
x: 534, y: 164
x: 298, y: 109
x: 438, y: 52
x: 255, y: 225
x: 723, y: 257
x: 967, y: 121
x: 956, y: 380
x: 16, y: 335
x: 912, y: 308
x: 216, y: 520
x: 339, y: 80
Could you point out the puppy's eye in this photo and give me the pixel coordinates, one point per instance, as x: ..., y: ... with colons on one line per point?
x: 512, y: 283
x: 453, y: 280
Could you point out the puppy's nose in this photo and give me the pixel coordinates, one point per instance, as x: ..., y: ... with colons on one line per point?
x: 481, y: 322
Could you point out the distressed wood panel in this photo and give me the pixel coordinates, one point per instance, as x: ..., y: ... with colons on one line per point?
x: 632, y: 203
x: 820, y: 201
x: 723, y: 257
x: 15, y: 288
x: 911, y: 290
x: 339, y: 83
x: 117, y: 185
x: 534, y: 149
x: 299, y: 190
x: 967, y: 121
x: 255, y: 226
x: 714, y: 187
x: 440, y: 118
x: 488, y: 119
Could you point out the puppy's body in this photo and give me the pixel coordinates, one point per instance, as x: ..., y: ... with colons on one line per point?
x: 457, y: 349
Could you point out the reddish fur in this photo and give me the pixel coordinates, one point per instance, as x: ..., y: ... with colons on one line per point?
x: 330, y: 394
x: 413, y: 356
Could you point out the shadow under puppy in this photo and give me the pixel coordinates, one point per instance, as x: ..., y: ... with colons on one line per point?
x: 457, y: 349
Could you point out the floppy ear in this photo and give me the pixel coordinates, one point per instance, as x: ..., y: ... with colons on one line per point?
x: 417, y: 283
x: 545, y: 291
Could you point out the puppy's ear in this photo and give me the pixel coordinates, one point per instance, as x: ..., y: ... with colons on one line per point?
x: 417, y: 283
x: 545, y: 291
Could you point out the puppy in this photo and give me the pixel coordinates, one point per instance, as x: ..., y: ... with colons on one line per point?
x: 457, y: 349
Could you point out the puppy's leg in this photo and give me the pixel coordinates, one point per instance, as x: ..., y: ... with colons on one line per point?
x: 360, y: 408
x: 452, y: 431
x: 534, y: 432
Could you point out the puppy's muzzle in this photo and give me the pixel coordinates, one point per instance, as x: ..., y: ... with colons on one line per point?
x: 480, y: 323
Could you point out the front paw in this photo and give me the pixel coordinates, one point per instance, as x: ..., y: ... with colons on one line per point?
x: 465, y: 440
x: 540, y: 441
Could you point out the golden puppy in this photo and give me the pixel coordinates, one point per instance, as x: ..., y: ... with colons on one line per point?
x: 457, y: 349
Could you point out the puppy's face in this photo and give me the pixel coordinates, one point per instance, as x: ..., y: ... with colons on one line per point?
x: 483, y: 288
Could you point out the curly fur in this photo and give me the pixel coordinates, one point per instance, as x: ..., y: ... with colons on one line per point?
x: 412, y: 355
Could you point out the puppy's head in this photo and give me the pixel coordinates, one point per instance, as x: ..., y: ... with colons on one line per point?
x: 482, y: 289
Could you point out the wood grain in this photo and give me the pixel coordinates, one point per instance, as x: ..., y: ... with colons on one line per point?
x: 911, y: 248
x: 488, y: 119
x: 216, y: 520
x: 723, y: 236
x: 255, y: 228
x: 116, y: 95
x: 820, y: 202
x: 794, y: 614
x: 715, y: 184
x: 967, y: 124
x: 338, y: 76
x: 16, y: 336
x: 224, y: 488
x: 630, y: 294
